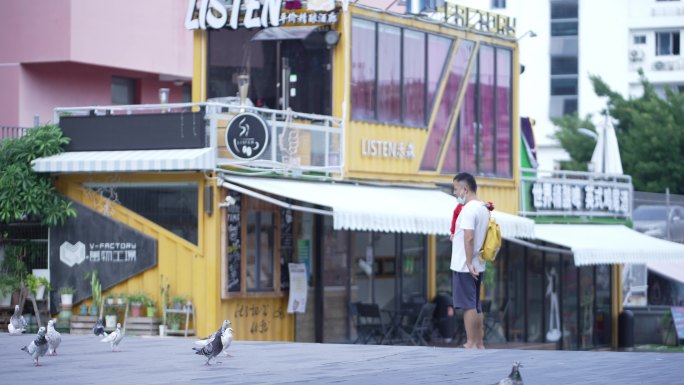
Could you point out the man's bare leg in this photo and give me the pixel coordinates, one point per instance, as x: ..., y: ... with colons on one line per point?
x: 470, y: 320
x: 480, y: 326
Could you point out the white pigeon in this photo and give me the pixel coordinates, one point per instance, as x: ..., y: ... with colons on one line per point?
x: 204, y: 341
x: 226, y: 339
x: 114, y: 338
x: 514, y: 378
x: 54, y: 338
x: 38, y: 347
x: 17, y: 323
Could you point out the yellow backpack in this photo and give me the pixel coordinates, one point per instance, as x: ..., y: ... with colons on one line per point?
x: 492, y: 243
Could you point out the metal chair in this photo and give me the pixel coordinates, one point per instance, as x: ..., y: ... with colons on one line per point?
x: 422, y: 329
x: 492, y: 320
x: 368, y: 322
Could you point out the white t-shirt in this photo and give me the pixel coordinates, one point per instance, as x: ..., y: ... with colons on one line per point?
x: 474, y: 216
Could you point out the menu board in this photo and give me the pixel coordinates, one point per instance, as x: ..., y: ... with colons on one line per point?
x: 233, y: 247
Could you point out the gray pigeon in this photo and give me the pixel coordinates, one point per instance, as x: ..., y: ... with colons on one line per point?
x: 204, y: 341
x: 54, y: 338
x: 213, y: 348
x: 38, y: 347
x: 514, y: 378
x: 114, y: 338
x: 17, y: 323
x: 99, y: 329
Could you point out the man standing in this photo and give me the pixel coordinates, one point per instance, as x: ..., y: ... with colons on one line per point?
x: 468, y: 270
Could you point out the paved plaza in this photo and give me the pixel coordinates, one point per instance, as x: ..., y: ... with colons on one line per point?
x: 154, y: 360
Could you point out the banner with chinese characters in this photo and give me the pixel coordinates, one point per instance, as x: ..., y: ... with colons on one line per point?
x: 575, y: 194
x: 298, y: 288
x: 94, y: 242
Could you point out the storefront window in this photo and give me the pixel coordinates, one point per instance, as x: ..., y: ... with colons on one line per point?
x: 552, y: 313
x: 363, y: 70
x: 535, y: 296
x: 389, y: 74
x: 570, y: 305
x: 173, y: 206
x: 586, y: 299
x: 603, y: 305
x: 446, y: 106
x: 515, y: 263
x: 412, y: 267
x: 335, y: 278
x: 487, y: 110
x: 259, y: 248
x: 414, y: 78
x: 503, y: 112
x: 443, y: 265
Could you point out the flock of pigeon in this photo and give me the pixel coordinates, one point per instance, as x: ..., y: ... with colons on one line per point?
x: 47, y: 341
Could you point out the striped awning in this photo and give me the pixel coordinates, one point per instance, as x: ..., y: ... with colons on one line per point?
x: 120, y: 161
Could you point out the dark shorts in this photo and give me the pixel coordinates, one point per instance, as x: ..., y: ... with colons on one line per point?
x: 466, y: 291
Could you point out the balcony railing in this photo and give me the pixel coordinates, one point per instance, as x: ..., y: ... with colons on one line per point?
x: 298, y: 142
x: 7, y: 132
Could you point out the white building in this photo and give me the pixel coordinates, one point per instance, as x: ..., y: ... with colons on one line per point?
x: 578, y: 38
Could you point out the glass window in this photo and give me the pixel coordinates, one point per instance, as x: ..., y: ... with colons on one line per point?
x: 569, y: 106
x: 446, y: 106
x: 504, y: 127
x: 570, y: 306
x: 414, y: 78
x: 564, y: 86
x: 173, y: 206
x: 603, y: 306
x: 564, y: 28
x: 667, y: 43
x: 335, y: 278
x: 564, y: 65
x: 438, y: 49
x: 123, y: 90
x: 363, y: 70
x: 535, y: 296
x: 552, y: 310
x: 259, y: 248
x: 640, y: 39
x: 412, y: 266
x: 515, y: 264
x: 487, y: 113
x: 468, y: 126
x: 389, y: 74
x: 586, y: 300
x: 564, y: 10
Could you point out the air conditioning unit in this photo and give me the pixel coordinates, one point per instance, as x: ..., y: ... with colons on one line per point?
x: 636, y: 55
x: 659, y: 66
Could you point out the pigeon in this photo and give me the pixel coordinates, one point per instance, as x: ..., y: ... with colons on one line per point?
x: 98, y: 329
x: 514, y: 378
x: 54, y: 338
x: 38, y: 347
x: 226, y: 339
x: 213, y: 348
x: 17, y: 324
x: 114, y: 338
x: 205, y: 341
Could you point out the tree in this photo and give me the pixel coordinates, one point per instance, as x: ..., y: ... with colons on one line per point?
x: 650, y: 133
x: 579, y: 146
x: 24, y: 193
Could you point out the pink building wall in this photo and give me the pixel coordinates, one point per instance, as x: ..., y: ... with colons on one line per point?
x: 61, y: 53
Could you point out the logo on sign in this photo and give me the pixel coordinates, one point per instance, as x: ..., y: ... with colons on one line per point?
x: 71, y: 254
x: 247, y: 136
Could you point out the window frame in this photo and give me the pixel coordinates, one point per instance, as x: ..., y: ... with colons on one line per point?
x: 258, y: 258
x: 132, y: 85
x: 672, y: 43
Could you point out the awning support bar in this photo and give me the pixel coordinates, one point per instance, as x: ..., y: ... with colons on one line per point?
x: 539, y: 247
x: 274, y: 201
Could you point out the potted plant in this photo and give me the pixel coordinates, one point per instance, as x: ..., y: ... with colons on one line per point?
x: 120, y: 298
x: 178, y: 301
x: 174, y: 320
x: 37, y: 286
x: 67, y: 295
x: 110, y: 317
x: 151, y: 307
x: 96, y: 292
x: 110, y: 299
x: 136, y: 301
x: 8, y: 285
x: 164, y: 289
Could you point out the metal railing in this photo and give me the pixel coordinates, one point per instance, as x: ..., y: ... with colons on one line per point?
x: 575, y: 194
x: 299, y: 142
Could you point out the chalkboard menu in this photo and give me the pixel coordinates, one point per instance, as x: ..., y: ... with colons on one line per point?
x: 286, y: 247
x: 678, y: 320
x: 234, y: 244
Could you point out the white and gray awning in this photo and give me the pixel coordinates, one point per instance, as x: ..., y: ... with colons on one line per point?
x: 127, y: 161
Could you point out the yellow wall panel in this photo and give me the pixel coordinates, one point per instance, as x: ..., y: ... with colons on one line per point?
x: 259, y: 319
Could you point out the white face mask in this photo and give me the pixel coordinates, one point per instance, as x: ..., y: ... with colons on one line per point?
x: 461, y: 199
